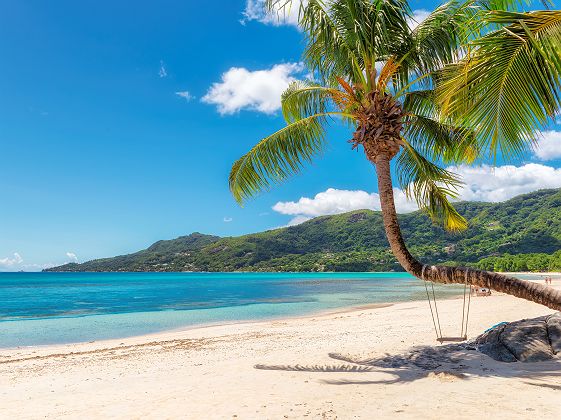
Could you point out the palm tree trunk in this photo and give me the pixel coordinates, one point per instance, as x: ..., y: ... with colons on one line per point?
x: 534, y: 292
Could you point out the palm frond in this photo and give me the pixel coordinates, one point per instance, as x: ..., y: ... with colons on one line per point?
x: 434, y: 138
x: 302, y: 99
x: 346, y: 37
x: 510, y: 5
x: 440, y: 141
x: 509, y: 86
x: 328, y: 51
x: 436, y: 41
x: 431, y: 186
x: 277, y: 157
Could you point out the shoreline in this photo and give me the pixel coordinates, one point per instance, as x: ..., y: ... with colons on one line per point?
x: 346, y: 364
x: 188, y: 328
x: 205, y: 325
x: 155, y: 336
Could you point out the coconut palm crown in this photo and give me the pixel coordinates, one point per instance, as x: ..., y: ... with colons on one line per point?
x: 375, y: 74
x: 421, y: 95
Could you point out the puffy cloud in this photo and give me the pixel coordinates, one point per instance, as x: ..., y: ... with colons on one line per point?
x: 482, y: 183
x: 549, y: 145
x: 16, y: 263
x: 255, y: 10
x: 72, y: 256
x: 185, y: 95
x: 334, y: 201
x: 227, y: 219
x: 258, y: 90
x: 487, y: 183
x: 8, y: 262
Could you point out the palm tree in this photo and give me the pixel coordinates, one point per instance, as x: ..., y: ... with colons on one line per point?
x: 407, y: 92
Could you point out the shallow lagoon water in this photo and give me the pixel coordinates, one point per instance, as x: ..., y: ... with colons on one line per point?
x: 49, y: 308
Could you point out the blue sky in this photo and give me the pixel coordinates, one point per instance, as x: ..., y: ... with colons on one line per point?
x: 120, y: 121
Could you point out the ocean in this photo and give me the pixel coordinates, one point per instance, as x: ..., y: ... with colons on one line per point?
x: 54, y: 308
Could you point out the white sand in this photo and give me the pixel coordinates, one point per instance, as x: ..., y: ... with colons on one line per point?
x: 210, y: 372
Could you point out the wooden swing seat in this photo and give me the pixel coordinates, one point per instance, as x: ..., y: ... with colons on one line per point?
x: 451, y: 339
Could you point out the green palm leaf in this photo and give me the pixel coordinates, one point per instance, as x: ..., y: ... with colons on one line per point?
x: 437, y: 40
x: 347, y: 37
x: 278, y: 156
x: 430, y: 186
x: 302, y: 99
x: 433, y: 138
x: 509, y: 86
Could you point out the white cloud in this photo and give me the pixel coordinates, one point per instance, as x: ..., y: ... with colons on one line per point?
x: 486, y: 183
x: 162, y: 72
x: 227, y: 219
x: 255, y: 10
x: 72, y: 256
x: 418, y: 16
x: 549, y: 145
x: 482, y: 183
x: 258, y: 90
x: 185, y: 95
x: 11, y: 261
x: 16, y: 263
x: 334, y: 201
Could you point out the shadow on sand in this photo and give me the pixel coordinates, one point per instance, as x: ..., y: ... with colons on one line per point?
x: 447, y: 363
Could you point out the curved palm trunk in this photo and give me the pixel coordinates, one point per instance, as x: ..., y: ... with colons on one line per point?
x: 440, y: 274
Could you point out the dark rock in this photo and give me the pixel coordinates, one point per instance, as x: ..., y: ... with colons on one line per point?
x: 498, y: 351
x: 528, y: 340
x: 554, y: 332
x: 489, y: 343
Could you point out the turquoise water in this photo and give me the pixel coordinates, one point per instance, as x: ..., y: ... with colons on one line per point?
x: 48, y: 308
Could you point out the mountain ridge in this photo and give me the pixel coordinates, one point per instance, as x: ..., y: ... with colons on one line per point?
x: 355, y: 241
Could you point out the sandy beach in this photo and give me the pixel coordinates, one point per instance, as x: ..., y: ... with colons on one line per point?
x: 375, y: 362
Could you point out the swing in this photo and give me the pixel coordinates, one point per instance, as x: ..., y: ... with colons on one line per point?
x: 465, y: 314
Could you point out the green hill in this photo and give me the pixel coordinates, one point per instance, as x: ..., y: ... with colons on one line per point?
x: 355, y: 241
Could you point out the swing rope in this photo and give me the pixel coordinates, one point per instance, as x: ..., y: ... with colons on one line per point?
x: 436, y: 319
x: 428, y: 298
x: 468, y: 305
x: 436, y: 309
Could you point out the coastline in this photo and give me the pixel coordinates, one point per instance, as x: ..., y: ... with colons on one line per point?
x: 343, y: 364
x: 159, y: 335
x: 188, y: 328
x: 221, y: 323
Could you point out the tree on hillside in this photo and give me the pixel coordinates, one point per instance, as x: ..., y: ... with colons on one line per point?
x: 470, y: 81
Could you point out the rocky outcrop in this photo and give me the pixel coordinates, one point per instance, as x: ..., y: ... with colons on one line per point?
x: 527, y: 340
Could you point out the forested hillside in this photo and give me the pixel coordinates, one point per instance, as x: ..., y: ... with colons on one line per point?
x: 355, y: 241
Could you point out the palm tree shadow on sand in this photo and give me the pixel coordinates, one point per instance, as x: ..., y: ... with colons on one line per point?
x: 447, y: 363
